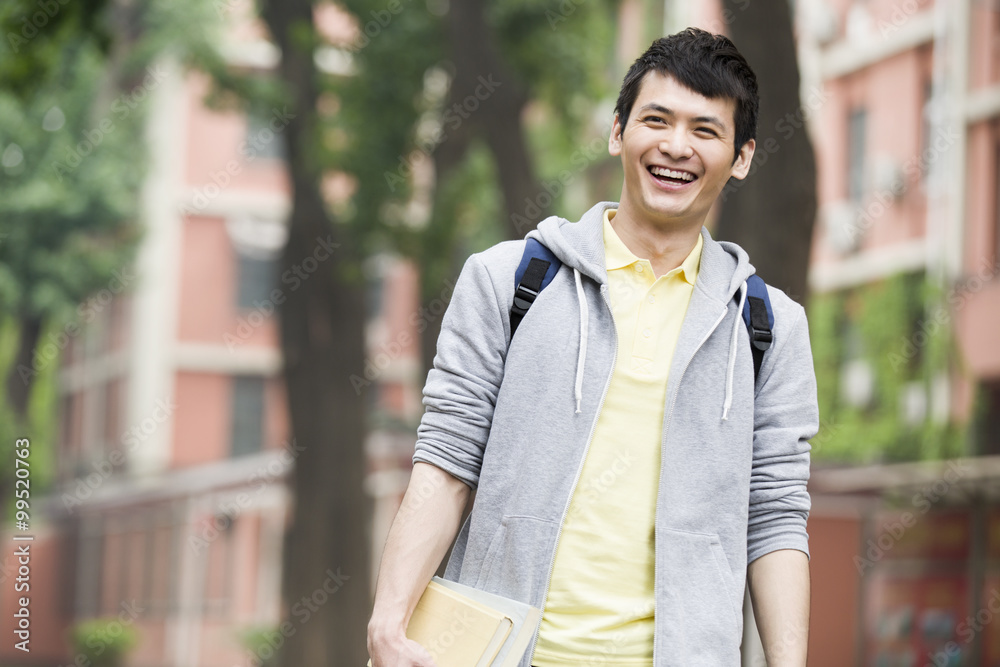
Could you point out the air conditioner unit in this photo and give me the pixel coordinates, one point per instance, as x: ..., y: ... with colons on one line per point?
x: 887, y: 176
x: 821, y: 21
x: 257, y: 237
x: 843, y: 227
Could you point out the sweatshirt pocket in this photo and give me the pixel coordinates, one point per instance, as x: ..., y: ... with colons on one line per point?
x: 699, y: 588
x: 517, y: 560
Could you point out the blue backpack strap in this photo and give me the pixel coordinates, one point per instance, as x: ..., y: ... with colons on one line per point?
x: 759, y: 318
x: 537, y: 269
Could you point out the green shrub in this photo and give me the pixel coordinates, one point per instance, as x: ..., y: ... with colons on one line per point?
x: 103, y: 641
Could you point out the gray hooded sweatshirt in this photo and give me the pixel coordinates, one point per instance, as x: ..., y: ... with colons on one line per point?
x: 514, y: 421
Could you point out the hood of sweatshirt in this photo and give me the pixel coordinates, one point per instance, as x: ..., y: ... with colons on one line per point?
x: 580, y: 246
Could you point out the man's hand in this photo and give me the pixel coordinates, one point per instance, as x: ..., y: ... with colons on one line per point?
x: 421, y: 533
x: 779, y: 590
x: 395, y: 650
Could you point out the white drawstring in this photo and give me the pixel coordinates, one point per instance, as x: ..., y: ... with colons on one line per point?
x: 732, y: 354
x: 584, y: 324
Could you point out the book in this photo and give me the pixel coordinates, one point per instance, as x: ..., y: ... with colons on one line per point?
x: 461, y: 626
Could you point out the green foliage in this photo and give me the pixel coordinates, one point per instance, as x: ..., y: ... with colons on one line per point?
x: 900, y: 328
x: 70, y: 190
x: 34, y: 35
x: 261, y: 642
x: 104, y: 642
x: 41, y: 428
x: 72, y: 162
x: 390, y: 116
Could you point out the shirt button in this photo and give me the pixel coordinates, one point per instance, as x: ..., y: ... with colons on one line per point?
x: 638, y: 267
x: 647, y: 333
x: 652, y: 298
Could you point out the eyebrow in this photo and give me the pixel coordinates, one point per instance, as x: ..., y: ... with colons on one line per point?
x: 698, y: 119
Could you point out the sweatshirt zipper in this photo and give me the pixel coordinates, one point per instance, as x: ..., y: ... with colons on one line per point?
x: 579, y: 471
x: 663, y: 442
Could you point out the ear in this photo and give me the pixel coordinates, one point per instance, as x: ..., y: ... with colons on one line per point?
x: 615, y: 140
x: 742, y: 165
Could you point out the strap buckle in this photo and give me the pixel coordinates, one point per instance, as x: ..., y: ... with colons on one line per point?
x: 523, y: 298
x: 761, y: 338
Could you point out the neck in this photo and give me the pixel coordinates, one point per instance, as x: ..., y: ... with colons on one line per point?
x: 666, y: 246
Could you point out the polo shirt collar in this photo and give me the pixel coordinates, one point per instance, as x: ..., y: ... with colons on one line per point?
x: 618, y: 256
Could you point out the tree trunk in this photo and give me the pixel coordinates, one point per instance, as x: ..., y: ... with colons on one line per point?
x: 480, y: 68
x: 19, y: 382
x: 772, y: 212
x: 481, y: 73
x: 21, y: 376
x: 326, y: 579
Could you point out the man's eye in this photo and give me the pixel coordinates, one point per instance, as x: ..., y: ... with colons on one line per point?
x: 653, y: 119
x: 708, y: 130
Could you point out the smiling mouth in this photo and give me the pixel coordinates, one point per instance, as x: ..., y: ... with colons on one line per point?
x: 672, y: 176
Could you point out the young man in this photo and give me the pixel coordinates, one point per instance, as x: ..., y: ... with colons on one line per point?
x: 631, y: 474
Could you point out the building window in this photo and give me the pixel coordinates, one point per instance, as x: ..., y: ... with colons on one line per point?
x: 255, y: 281
x: 989, y: 421
x: 247, y: 415
x: 265, y: 137
x: 164, y: 565
x: 996, y: 207
x: 112, y: 414
x: 928, y: 118
x: 218, y: 566
x: 856, y: 149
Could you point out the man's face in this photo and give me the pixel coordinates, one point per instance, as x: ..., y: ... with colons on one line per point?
x: 677, y: 152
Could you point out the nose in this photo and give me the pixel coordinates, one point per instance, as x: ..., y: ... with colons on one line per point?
x: 674, y: 142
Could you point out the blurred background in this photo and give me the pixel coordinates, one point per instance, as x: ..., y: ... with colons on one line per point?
x: 228, y: 232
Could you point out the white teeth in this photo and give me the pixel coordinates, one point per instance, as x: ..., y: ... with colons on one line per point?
x: 670, y: 173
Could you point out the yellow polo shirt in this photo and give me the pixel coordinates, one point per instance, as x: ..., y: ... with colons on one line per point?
x: 600, y: 600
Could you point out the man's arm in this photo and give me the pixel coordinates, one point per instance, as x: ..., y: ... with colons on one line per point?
x: 421, y: 533
x: 786, y: 417
x: 459, y: 397
x: 779, y: 590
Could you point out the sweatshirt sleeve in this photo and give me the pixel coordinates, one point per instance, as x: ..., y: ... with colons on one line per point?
x: 786, y: 416
x: 461, y: 389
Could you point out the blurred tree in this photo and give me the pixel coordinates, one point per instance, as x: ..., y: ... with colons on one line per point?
x: 322, y: 342
x: 73, y: 77
x: 67, y: 231
x: 771, y: 214
x: 431, y: 127
x: 478, y: 132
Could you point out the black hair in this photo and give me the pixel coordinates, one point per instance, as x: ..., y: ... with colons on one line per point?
x: 706, y: 63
